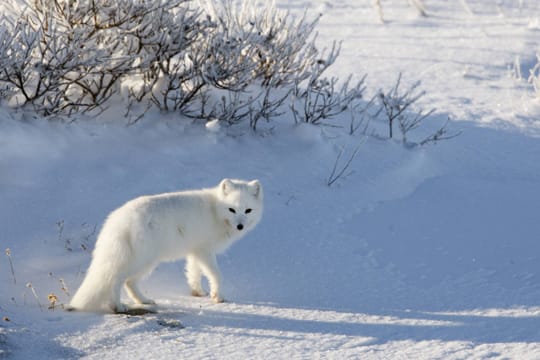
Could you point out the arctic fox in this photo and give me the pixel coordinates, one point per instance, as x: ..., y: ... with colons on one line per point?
x: 148, y: 230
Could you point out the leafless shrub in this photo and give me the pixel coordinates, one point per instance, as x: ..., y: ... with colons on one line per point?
x: 397, y: 105
x: 66, y: 57
x: 323, y: 99
x: 281, y: 49
x: 259, y: 49
x: 37, y: 67
x: 229, y: 61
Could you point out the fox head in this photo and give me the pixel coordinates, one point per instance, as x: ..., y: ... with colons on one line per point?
x: 241, y: 203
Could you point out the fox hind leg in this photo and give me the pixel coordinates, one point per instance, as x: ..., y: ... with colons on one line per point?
x: 115, y: 304
x: 193, y: 275
x: 135, y: 294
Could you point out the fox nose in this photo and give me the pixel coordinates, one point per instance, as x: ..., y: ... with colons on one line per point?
x: 239, y: 226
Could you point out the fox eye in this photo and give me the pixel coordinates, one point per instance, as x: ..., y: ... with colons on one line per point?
x: 248, y: 211
x: 232, y: 210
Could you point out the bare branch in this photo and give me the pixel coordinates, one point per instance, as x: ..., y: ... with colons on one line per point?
x: 338, y: 172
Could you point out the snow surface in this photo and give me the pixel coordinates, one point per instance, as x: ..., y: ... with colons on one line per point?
x: 425, y: 252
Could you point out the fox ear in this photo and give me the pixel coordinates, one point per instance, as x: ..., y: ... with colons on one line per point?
x: 226, y: 186
x: 256, y: 188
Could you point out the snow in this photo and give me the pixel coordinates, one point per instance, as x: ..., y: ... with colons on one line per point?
x: 423, y: 252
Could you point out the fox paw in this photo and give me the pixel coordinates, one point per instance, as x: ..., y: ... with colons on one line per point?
x: 120, y: 308
x: 198, y: 293
x: 217, y: 299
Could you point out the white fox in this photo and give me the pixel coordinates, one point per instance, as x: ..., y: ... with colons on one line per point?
x: 148, y: 230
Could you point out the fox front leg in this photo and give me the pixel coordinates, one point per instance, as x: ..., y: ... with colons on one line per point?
x: 209, y: 267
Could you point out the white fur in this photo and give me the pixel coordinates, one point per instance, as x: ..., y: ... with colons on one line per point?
x: 148, y: 230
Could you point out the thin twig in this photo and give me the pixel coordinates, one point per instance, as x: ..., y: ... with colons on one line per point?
x: 336, y: 174
x: 8, y: 254
x: 29, y: 285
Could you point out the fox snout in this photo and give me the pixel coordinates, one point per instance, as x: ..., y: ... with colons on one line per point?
x: 240, y: 226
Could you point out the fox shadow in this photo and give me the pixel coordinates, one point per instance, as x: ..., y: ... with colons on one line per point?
x: 387, y: 327
x: 36, y: 334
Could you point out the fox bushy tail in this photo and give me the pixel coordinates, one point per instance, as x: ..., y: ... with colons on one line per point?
x: 100, y: 289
